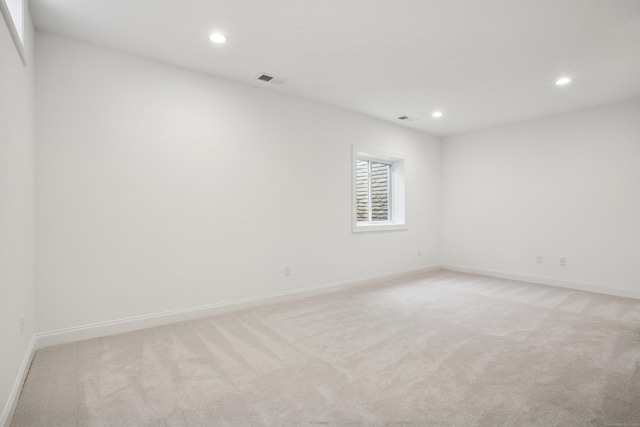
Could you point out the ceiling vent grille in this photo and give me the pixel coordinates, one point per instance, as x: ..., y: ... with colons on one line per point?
x: 267, y: 78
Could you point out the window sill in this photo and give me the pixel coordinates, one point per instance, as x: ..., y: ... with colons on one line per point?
x: 367, y: 228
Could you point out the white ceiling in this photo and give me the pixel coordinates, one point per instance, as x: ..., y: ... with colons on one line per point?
x: 482, y: 62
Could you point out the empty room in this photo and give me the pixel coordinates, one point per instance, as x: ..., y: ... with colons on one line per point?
x: 296, y: 212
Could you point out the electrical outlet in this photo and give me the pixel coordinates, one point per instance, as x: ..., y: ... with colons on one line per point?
x: 563, y: 262
x: 419, y: 252
x: 539, y: 259
x: 287, y: 271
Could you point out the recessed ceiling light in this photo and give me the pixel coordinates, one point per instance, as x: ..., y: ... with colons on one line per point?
x: 217, y: 38
x: 563, y: 81
x: 436, y: 114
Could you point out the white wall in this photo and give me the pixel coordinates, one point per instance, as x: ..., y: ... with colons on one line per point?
x: 563, y: 186
x: 159, y: 188
x: 16, y: 213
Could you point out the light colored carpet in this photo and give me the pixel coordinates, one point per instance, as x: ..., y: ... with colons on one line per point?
x: 442, y: 349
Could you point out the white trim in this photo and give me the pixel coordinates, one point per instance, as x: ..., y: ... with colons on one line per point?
x: 14, y: 395
x: 386, y: 226
x: 102, y: 329
x: 19, y: 40
x: 598, y: 288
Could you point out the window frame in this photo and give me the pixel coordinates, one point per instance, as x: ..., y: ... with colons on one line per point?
x: 396, y: 202
x: 17, y: 25
x: 389, y: 190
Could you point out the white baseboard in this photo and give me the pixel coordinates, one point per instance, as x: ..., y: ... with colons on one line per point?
x: 12, y: 401
x: 550, y: 281
x: 96, y: 330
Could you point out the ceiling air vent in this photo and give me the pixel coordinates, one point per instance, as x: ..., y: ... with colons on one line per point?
x: 270, y: 79
x: 407, y: 119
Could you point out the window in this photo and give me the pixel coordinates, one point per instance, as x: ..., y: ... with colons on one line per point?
x: 378, y: 191
x: 373, y: 190
x: 14, y: 14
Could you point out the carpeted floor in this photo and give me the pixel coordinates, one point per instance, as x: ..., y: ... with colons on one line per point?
x: 441, y: 349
